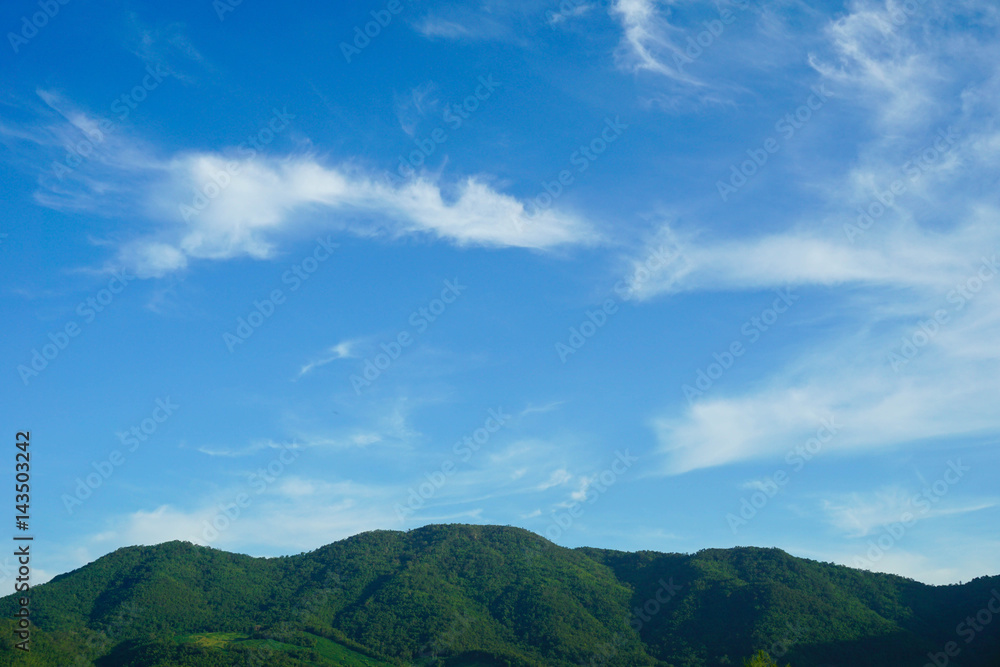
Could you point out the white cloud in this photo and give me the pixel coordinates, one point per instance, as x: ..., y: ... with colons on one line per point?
x: 930, y: 562
x: 908, y: 63
x: 904, y: 257
x: 647, y: 43
x: 342, y: 350
x: 580, y: 494
x: 766, y: 485
x: 479, y: 21
x: 912, y: 262
x: 293, y: 513
x: 871, y: 407
x: 392, y: 426
x: 557, y: 478
x: 918, y: 566
x: 541, y: 409
x: 881, y: 62
x: 296, y: 488
x: 432, y: 26
x: 252, y: 448
x: 223, y: 205
x: 153, y: 258
x: 268, y: 196
x: 555, y: 18
x: 365, y: 439
x: 854, y: 370
x: 861, y: 514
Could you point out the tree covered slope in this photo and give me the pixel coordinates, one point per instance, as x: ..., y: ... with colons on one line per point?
x: 492, y: 595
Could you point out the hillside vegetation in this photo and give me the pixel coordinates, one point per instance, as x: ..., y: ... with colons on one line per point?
x: 491, y: 595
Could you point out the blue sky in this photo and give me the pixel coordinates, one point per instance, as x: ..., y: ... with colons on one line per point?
x: 641, y: 275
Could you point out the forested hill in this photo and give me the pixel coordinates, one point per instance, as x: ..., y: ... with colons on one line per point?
x: 494, y: 595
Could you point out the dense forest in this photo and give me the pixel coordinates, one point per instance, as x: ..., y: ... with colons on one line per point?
x: 495, y: 595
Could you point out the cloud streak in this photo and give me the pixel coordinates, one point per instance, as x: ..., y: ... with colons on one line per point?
x: 342, y: 350
x: 242, y: 203
x: 647, y: 43
x: 268, y: 196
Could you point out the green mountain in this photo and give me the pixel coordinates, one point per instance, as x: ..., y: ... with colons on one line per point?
x: 494, y: 595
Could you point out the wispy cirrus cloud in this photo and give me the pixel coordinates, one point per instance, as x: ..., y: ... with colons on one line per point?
x: 493, y: 20
x: 224, y: 205
x: 541, y: 409
x: 270, y: 195
x: 935, y: 562
x: 342, y: 350
x: 648, y: 41
x: 432, y: 26
x: 928, y: 250
x: 336, y: 510
x: 902, y: 258
x: 564, y: 15
x: 861, y: 514
x: 557, y: 478
x: 878, y: 401
x: 878, y: 53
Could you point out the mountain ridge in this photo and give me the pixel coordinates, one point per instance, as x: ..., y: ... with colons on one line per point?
x: 470, y: 594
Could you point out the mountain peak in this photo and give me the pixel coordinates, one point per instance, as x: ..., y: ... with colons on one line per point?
x: 492, y: 594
